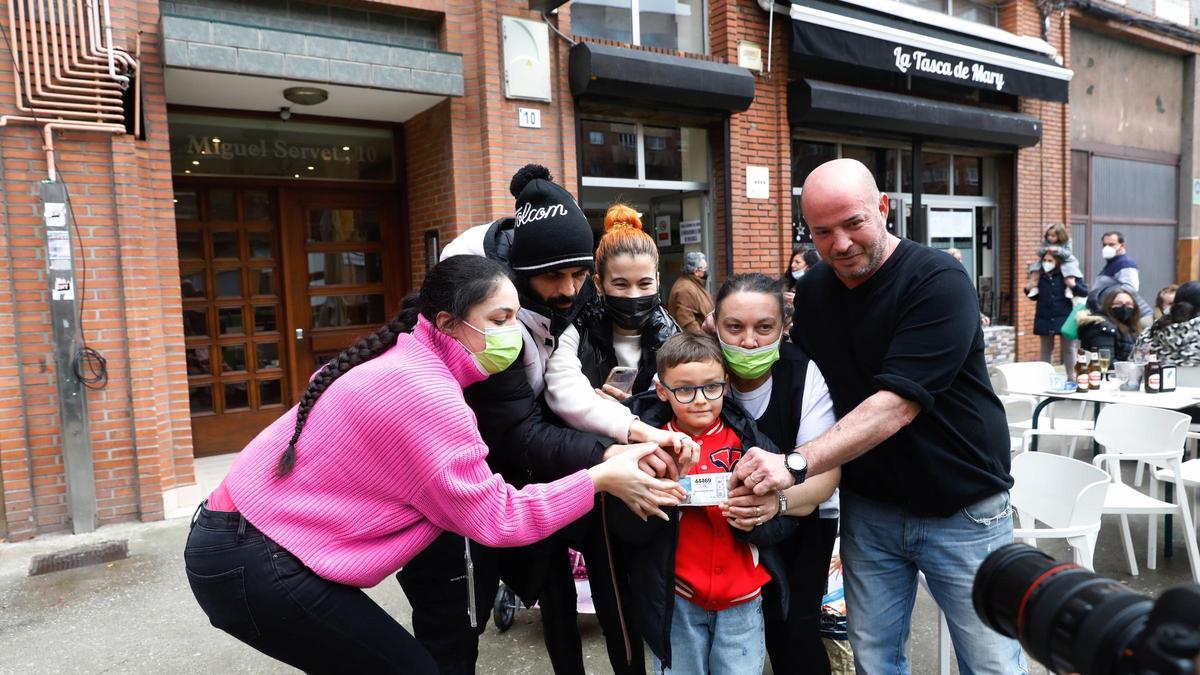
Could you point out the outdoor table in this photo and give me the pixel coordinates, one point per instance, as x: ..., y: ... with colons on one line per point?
x: 1110, y: 392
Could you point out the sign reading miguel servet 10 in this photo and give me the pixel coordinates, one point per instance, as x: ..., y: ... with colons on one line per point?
x: 211, y: 145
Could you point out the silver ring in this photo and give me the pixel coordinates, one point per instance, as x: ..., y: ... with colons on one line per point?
x: 759, y: 521
x: 758, y: 511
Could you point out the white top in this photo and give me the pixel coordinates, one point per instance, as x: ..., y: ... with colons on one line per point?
x: 571, y: 396
x: 816, y: 416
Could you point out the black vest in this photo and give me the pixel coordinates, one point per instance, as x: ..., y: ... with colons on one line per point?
x: 781, y: 420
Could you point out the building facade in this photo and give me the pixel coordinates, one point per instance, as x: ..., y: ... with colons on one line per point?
x: 275, y: 175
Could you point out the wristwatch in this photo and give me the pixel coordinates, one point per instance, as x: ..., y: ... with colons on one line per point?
x: 797, y: 465
x: 782, y: 496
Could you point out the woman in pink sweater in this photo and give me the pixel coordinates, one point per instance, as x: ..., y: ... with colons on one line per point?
x: 333, y: 498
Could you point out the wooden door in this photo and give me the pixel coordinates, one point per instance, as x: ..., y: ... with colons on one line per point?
x: 344, y: 255
x: 229, y: 264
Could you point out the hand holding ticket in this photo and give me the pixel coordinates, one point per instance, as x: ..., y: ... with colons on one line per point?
x: 708, y: 489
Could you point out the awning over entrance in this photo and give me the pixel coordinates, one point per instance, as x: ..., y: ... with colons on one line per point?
x: 812, y: 102
x: 859, y: 35
x: 659, y: 79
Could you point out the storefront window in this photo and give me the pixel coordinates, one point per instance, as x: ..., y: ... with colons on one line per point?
x: 935, y: 173
x: 667, y: 24
x: 881, y: 162
x: 664, y: 160
x: 968, y: 176
x: 667, y: 153
x: 615, y: 156
x: 807, y: 155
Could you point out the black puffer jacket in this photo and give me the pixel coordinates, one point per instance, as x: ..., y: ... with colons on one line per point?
x: 596, y: 352
x: 652, y: 542
x: 1097, y: 332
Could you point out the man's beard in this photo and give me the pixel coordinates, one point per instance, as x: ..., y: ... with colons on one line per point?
x: 874, y: 259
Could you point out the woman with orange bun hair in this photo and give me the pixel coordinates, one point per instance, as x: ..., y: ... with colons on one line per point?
x: 622, y: 329
x: 617, y: 333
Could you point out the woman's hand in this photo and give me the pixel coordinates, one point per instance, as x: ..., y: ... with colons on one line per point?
x: 685, y: 450
x: 622, y: 477
x: 612, y: 393
x: 749, y: 510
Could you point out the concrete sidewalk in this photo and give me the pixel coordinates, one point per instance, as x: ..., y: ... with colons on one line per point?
x: 138, y: 615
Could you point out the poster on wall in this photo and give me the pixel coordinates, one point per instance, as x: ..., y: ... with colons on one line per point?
x: 662, y: 230
x: 689, y: 232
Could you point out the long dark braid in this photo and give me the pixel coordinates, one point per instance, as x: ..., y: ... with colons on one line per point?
x: 454, y: 285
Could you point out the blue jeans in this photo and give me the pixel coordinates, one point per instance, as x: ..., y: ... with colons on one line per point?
x: 730, y: 641
x: 883, y: 547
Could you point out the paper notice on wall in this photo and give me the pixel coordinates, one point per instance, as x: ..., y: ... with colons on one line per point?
x: 58, y: 249
x: 63, y: 290
x: 662, y: 230
x: 55, y: 214
x: 758, y: 182
x: 689, y: 232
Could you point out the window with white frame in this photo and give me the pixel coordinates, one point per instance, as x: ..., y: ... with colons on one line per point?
x: 668, y: 24
x: 978, y: 11
x: 636, y: 152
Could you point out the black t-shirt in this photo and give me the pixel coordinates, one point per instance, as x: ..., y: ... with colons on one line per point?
x: 913, y: 329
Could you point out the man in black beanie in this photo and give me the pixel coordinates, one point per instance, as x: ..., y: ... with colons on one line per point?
x: 548, y: 245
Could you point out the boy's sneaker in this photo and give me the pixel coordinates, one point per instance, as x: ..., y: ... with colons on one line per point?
x: 1031, y: 292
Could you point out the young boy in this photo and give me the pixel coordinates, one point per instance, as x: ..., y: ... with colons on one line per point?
x: 697, y: 583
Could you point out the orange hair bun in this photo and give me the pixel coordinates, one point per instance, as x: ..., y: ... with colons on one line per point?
x: 621, y: 217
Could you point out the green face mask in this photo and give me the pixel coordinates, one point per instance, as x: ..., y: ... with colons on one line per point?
x: 750, y: 363
x: 502, y: 347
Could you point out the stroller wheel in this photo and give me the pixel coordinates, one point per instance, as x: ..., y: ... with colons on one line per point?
x: 505, y: 608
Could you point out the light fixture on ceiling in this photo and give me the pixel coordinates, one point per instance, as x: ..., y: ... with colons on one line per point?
x: 306, y: 95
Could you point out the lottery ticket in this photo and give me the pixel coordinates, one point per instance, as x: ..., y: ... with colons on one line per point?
x: 708, y: 489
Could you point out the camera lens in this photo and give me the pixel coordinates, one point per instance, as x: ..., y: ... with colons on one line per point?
x: 1065, y: 616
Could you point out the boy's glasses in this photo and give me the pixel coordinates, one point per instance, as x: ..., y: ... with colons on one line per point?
x: 687, y: 393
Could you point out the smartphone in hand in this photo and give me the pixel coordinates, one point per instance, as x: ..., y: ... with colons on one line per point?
x: 622, y: 378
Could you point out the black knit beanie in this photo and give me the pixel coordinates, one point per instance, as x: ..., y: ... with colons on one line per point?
x: 551, y: 230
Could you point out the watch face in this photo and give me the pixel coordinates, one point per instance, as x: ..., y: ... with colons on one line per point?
x: 796, y: 462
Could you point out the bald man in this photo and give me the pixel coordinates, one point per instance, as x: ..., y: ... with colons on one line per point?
x: 894, y: 327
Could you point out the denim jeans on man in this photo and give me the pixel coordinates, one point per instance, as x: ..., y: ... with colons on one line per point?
x: 258, y: 592
x: 728, y: 642
x: 883, y: 547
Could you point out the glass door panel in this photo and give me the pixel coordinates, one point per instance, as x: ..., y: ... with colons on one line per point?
x: 228, y: 253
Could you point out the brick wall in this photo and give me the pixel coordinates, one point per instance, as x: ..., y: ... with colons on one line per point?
x: 1043, y: 171
x: 128, y: 283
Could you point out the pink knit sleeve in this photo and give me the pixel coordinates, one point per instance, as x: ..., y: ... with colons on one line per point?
x: 467, y: 498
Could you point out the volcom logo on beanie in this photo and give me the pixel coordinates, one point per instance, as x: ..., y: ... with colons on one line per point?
x: 551, y: 231
x: 527, y: 213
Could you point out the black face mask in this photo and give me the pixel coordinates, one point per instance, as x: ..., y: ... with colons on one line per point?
x: 632, y: 313
x: 1122, y: 314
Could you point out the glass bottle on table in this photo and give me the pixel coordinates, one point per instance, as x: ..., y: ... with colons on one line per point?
x: 1081, y: 372
x: 1095, y: 373
x: 1153, y: 377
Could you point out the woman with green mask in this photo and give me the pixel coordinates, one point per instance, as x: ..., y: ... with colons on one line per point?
x: 786, y: 395
x: 380, y: 457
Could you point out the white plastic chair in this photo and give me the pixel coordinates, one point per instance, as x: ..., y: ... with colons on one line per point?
x: 1065, y: 494
x: 1151, y: 435
x: 1035, y: 376
x: 1189, y: 473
